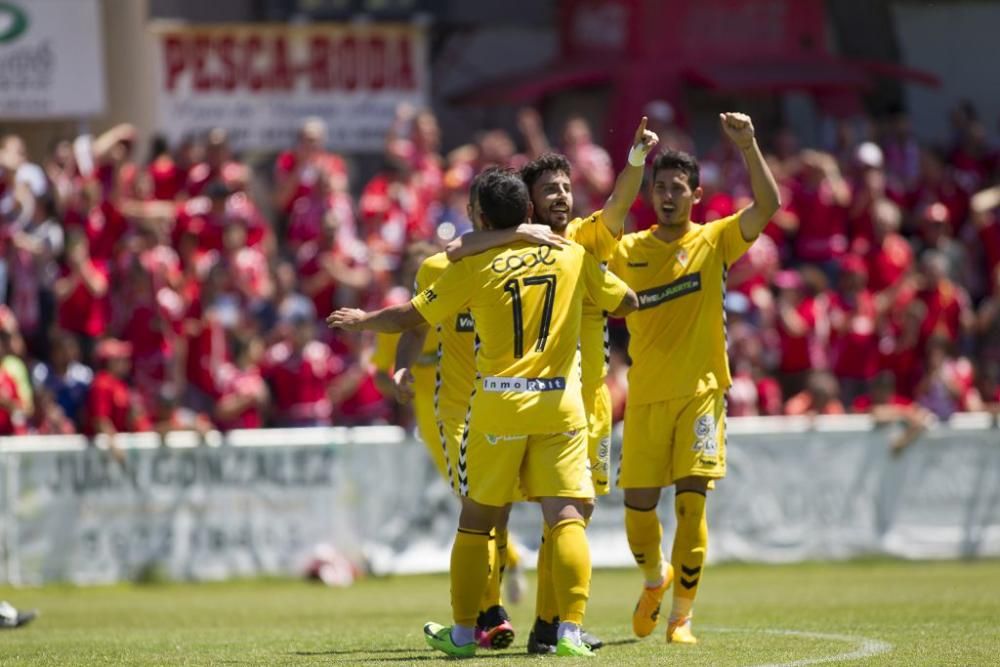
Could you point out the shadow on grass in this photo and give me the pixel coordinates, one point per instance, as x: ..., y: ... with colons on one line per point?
x: 354, y: 654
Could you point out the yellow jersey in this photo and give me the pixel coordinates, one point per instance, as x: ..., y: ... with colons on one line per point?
x: 454, y: 341
x: 594, y: 236
x: 678, y: 335
x: 384, y: 359
x: 527, y: 303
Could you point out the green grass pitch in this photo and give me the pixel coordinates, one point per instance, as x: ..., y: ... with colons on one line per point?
x: 861, y: 613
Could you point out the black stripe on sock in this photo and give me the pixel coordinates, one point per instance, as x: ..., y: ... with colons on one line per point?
x: 690, y: 571
x: 689, y: 584
x: 481, y: 533
x: 698, y: 491
x: 640, y: 509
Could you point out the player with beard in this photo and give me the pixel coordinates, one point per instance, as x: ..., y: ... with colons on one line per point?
x: 675, y: 417
x: 549, y: 183
x: 526, y: 421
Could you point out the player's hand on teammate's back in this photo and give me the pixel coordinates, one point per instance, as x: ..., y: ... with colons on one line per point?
x: 402, y: 380
x: 645, y: 139
x: 348, y: 319
x: 738, y: 127
x: 542, y: 234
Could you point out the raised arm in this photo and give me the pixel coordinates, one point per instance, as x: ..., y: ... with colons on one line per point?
x: 388, y: 320
x: 766, y: 199
x: 629, y: 180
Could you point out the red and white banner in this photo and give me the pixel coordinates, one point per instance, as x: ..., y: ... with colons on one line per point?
x: 260, y: 81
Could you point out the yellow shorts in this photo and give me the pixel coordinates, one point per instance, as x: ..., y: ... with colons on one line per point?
x: 599, y: 440
x: 490, y: 468
x: 668, y: 440
x: 430, y: 433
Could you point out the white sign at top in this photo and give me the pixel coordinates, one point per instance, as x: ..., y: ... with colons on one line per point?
x: 51, y: 59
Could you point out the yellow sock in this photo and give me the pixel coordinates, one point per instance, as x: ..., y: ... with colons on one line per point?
x: 469, y: 573
x: 645, y: 535
x: 545, y: 600
x: 513, y: 553
x: 503, y: 556
x: 690, y: 546
x: 571, y: 569
x: 491, y: 594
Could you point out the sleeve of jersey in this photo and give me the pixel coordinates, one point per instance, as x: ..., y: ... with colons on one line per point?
x: 731, y: 237
x: 449, y: 294
x: 605, y: 288
x: 594, y: 236
x: 384, y: 356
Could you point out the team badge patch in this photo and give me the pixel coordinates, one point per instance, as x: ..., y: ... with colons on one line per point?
x: 682, y: 257
x: 704, y: 436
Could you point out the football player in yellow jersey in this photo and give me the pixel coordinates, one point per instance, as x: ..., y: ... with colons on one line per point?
x: 447, y: 395
x: 549, y: 182
x: 423, y: 371
x: 526, y: 416
x: 675, y: 415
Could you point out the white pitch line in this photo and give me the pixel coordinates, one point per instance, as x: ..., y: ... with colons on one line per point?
x: 866, y: 648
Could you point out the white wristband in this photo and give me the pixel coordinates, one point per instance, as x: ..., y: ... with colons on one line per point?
x: 637, y: 155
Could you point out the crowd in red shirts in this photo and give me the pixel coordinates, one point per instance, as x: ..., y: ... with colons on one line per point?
x: 187, y: 291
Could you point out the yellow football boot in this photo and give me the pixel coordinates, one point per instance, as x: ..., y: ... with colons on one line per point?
x: 647, y: 609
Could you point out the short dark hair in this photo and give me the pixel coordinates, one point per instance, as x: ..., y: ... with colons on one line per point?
x: 531, y: 172
x: 503, y: 198
x: 674, y: 159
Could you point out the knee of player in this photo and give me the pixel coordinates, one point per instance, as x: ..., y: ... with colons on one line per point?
x: 478, y: 517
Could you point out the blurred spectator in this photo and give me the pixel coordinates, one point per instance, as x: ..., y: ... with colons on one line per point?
x: 81, y: 293
x: 819, y: 200
x: 889, y: 256
x: 803, y: 326
x: 300, y: 370
x: 888, y: 407
x: 12, y: 360
x: 64, y: 377
x: 936, y: 233
x: 985, y: 205
x: 663, y: 122
x: 868, y: 191
x: 328, y: 275
x: 49, y: 417
x: 820, y: 397
x: 243, y: 394
x: 902, y: 151
x: 947, y: 379
x: 35, y: 246
x: 949, y: 311
x: 985, y: 394
x: 937, y: 184
x: 854, y: 316
x: 297, y: 172
x: 13, y: 408
x: 988, y: 324
x: 169, y: 415
x: 112, y: 406
x: 593, y: 175
x: 217, y: 167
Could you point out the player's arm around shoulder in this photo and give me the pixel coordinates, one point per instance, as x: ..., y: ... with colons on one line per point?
x: 766, y: 198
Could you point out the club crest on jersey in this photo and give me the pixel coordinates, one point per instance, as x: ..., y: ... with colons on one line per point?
x: 682, y: 257
x: 704, y: 435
